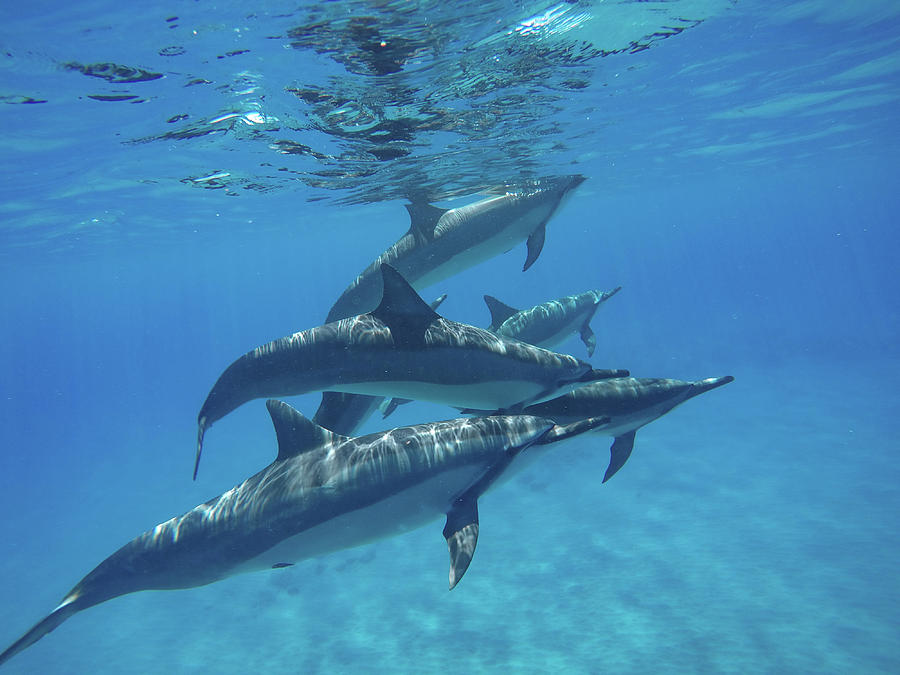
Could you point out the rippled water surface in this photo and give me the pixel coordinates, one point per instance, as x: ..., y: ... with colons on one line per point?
x: 182, y: 182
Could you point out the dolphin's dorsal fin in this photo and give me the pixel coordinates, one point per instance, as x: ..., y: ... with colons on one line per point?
x: 403, y: 310
x: 535, y: 245
x: 295, y: 433
x: 500, y: 311
x: 619, y: 453
x: 461, y: 533
x: 423, y: 218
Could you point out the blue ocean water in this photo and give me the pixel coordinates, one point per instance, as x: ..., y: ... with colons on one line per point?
x: 742, y: 171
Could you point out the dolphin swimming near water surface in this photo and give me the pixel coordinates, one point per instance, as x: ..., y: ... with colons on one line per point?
x: 444, y: 242
x: 402, y: 349
x: 548, y: 324
x: 629, y: 402
x: 322, y: 493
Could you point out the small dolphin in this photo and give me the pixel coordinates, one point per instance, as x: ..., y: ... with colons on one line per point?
x: 549, y: 323
x: 442, y: 242
x: 322, y: 493
x: 401, y: 349
x: 629, y: 402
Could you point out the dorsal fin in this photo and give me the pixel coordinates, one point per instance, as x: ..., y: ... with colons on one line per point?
x: 295, y: 433
x: 500, y: 312
x: 403, y: 310
x: 423, y: 217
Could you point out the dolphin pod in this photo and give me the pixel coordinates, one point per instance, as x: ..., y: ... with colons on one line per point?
x: 322, y: 493
x: 441, y: 243
x: 325, y: 490
x: 402, y: 349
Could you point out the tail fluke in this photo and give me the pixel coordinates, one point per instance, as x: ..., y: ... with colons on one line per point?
x: 39, y: 630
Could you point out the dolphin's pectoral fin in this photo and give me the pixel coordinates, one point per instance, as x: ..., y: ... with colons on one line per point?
x: 619, y: 452
x: 500, y: 311
x: 403, y: 310
x: 535, y: 244
x: 281, y: 565
x: 461, y: 533
x: 296, y: 433
x: 588, y: 338
x: 423, y: 218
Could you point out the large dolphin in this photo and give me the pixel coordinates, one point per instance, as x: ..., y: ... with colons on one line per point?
x: 403, y: 349
x: 629, y: 402
x: 439, y: 244
x: 548, y: 324
x: 442, y: 242
x: 322, y: 493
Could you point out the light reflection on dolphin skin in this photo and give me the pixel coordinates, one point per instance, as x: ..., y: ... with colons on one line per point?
x: 322, y: 493
x: 402, y: 349
x: 629, y: 402
x: 548, y: 324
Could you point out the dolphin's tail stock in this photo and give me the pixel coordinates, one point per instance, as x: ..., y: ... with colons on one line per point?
x: 40, y: 629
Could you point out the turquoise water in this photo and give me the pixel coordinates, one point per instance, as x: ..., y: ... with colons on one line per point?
x: 741, y: 189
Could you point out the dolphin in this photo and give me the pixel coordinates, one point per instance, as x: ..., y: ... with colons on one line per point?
x: 629, y: 402
x: 548, y: 324
x: 403, y: 349
x: 322, y: 493
x: 443, y: 242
